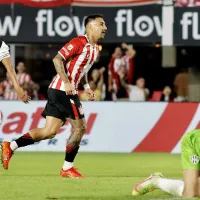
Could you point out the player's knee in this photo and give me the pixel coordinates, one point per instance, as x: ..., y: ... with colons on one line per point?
x: 49, y: 133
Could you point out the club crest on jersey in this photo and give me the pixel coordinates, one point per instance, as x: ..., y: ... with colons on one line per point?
x: 70, y: 47
x: 194, y: 159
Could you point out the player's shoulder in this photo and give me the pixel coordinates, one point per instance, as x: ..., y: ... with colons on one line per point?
x: 83, y: 39
x: 79, y: 42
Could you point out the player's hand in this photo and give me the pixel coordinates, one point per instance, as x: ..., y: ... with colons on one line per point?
x: 22, y: 95
x: 69, y: 89
x: 90, y: 94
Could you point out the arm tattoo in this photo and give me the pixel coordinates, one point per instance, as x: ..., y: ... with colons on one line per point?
x: 60, y: 68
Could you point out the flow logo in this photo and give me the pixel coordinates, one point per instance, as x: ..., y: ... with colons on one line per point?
x: 62, y: 25
x: 9, y: 25
x: 190, y: 25
x: 142, y: 25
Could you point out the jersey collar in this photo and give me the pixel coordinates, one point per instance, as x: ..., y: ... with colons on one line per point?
x: 89, y: 41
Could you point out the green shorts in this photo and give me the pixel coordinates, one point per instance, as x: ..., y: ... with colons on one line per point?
x: 190, y: 150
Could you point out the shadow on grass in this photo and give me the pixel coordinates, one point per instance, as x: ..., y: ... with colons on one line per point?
x: 123, y: 197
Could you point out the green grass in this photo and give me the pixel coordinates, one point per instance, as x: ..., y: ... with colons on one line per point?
x: 35, y: 176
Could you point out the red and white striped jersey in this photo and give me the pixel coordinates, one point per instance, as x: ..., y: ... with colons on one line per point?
x: 129, y: 63
x: 23, y: 78
x: 79, y: 56
x: 9, y: 92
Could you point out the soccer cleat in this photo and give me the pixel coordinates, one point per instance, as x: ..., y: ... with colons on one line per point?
x: 146, y: 185
x: 71, y: 173
x: 6, y: 154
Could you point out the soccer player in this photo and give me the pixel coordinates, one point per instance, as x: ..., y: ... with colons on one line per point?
x: 190, y: 187
x: 6, y: 61
x: 72, y: 63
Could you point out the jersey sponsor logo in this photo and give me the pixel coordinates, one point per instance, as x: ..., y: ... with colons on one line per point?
x: 194, y: 159
x: 66, y: 52
x: 70, y: 47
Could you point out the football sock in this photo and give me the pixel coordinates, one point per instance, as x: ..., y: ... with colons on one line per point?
x: 13, y: 145
x: 71, y: 153
x: 69, y: 156
x: 173, y: 187
x: 23, y: 141
x: 67, y: 165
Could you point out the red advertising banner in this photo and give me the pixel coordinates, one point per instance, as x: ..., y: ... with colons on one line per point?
x: 56, y: 3
x: 114, y: 2
x: 38, y: 3
x: 187, y: 3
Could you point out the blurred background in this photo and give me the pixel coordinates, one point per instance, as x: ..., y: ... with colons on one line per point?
x: 146, y: 77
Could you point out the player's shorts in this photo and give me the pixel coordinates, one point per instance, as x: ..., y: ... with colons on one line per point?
x: 190, y: 150
x: 63, y: 106
x: 4, y: 51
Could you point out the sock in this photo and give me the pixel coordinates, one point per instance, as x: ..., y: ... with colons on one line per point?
x: 67, y: 165
x: 24, y: 140
x: 71, y: 153
x: 13, y: 145
x: 174, y: 187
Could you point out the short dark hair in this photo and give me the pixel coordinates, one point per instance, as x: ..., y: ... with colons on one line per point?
x: 92, y: 17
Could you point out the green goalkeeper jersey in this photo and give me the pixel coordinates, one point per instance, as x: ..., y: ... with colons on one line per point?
x: 190, y: 150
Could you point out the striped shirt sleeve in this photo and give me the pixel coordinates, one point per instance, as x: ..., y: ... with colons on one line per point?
x: 4, y: 51
x: 70, y: 49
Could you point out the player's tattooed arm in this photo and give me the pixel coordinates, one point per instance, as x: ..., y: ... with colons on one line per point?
x: 58, y: 63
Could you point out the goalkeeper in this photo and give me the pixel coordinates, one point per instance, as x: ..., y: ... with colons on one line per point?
x: 190, y: 186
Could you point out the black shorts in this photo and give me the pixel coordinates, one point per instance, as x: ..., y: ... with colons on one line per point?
x: 62, y: 106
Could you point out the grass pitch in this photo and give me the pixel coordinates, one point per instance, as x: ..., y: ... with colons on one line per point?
x: 110, y: 176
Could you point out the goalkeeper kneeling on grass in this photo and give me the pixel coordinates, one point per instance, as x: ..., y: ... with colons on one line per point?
x: 190, y: 187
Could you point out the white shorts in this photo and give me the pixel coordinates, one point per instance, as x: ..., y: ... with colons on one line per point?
x: 4, y: 51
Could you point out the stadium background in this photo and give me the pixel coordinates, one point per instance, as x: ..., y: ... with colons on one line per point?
x: 166, y: 38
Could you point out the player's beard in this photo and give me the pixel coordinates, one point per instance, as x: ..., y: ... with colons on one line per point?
x: 102, y: 36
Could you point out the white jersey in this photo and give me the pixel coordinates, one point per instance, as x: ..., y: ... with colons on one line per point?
x: 4, y: 50
x: 136, y: 93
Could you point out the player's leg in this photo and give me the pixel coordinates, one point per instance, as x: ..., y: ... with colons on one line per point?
x: 173, y: 187
x: 72, y: 147
x: 50, y: 129
x: 190, y: 162
x: 191, y: 183
x: 156, y: 181
x: 147, y: 185
x: 176, y: 187
x: 52, y: 125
